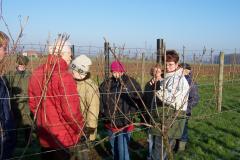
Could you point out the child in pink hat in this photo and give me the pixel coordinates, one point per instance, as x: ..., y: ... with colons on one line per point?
x: 117, y: 69
x: 119, y: 100
x: 117, y: 66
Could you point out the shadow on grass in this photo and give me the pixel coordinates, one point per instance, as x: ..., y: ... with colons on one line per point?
x: 228, y: 131
x: 205, y: 140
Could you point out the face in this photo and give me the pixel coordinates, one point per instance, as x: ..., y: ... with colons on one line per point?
x: 3, y: 51
x: 171, y: 66
x: 21, y: 67
x: 67, y: 56
x: 76, y: 75
x: 157, y: 73
x: 117, y: 74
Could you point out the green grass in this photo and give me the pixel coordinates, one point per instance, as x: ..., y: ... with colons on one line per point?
x: 217, y: 136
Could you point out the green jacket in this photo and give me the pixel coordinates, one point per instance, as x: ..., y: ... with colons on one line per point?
x: 18, y: 90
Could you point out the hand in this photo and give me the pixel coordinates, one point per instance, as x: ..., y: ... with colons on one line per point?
x: 88, y: 130
x: 125, y: 89
x: 160, y: 94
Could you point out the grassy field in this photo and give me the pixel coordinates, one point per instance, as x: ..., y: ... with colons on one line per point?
x: 216, y: 136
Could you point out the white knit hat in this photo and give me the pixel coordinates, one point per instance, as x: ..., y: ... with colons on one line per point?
x: 81, y: 64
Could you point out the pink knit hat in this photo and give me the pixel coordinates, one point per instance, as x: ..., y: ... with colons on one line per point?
x: 117, y: 66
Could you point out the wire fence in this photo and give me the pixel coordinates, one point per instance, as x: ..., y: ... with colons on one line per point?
x: 205, y: 68
x: 206, y: 56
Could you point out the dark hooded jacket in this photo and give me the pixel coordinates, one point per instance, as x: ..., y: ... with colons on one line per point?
x: 119, y: 100
x: 7, y: 126
x: 193, y: 97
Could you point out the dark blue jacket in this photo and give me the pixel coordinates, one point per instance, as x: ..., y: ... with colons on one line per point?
x: 193, y: 98
x: 7, y: 125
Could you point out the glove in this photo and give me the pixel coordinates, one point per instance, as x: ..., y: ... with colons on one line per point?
x: 159, y: 94
x: 87, y: 131
x: 125, y: 90
x: 83, y: 139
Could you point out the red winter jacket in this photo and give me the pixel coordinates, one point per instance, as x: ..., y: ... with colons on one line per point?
x: 57, y: 111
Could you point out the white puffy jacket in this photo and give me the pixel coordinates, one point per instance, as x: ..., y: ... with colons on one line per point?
x: 176, y: 90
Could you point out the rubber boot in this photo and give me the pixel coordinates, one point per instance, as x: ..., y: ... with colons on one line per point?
x: 182, y: 145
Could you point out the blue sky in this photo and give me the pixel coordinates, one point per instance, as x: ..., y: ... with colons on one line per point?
x: 135, y: 23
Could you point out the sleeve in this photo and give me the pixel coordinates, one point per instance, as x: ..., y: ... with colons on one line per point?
x: 103, y: 99
x: 93, y: 103
x: 134, y: 88
x: 193, y: 95
x: 5, y: 102
x: 148, y: 95
x: 9, y: 79
x: 70, y: 103
x: 135, y: 94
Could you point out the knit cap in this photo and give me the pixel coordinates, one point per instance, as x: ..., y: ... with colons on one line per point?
x: 81, y: 64
x: 117, y: 66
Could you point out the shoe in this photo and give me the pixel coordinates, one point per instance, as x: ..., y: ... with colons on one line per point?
x: 182, y: 146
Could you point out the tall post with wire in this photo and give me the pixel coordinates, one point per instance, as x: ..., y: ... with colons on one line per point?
x: 160, y: 50
x: 234, y: 64
x: 204, y: 50
x: 220, y: 81
x: 143, y: 70
x: 212, y: 56
x: 183, y: 55
x: 73, y: 50
x: 106, y: 62
x: 163, y: 104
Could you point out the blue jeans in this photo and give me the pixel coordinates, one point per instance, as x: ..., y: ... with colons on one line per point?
x: 150, y: 144
x: 184, y: 137
x: 119, y: 143
x: 156, y: 153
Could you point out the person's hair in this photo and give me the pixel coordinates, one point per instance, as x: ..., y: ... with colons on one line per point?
x: 158, y: 66
x: 171, y: 56
x: 3, y: 38
x: 60, y: 47
x: 185, y: 66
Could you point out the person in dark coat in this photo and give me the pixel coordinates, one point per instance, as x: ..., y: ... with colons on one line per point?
x: 119, y: 101
x: 7, y: 124
x: 151, y: 87
x: 193, y: 100
x: 18, y: 83
x: 151, y: 100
